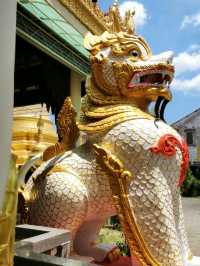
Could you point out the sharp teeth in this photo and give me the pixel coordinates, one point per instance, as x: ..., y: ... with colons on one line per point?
x: 163, y: 75
x: 137, y: 79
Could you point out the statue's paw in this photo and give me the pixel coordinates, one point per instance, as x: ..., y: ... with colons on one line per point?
x: 113, y: 255
x: 105, y: 253
x: 195, y: 261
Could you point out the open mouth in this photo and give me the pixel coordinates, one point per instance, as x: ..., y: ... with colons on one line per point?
x: 155, y: 78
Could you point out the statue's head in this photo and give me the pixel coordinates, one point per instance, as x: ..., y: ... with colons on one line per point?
x: 123, y: 65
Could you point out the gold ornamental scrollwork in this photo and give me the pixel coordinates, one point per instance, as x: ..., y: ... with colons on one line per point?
x: 68, y: 131
x: 87, y: 13
x: 90, y: 15
x: 119, y: 180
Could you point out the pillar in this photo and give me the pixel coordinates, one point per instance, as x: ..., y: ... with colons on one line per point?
x: 75, y: 94
x: 75, y: 90
x: 7, y: 59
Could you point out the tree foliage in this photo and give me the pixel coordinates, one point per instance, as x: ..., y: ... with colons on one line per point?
x: 191, y: 185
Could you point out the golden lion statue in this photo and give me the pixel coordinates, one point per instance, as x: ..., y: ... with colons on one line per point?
x: 132, y: 163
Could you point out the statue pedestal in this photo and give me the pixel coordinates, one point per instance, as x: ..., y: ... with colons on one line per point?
x: 41, y: 239
x: 123, y: 261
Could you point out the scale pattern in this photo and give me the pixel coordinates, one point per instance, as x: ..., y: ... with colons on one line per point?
x: 153, y: 193
x: 82, y: 192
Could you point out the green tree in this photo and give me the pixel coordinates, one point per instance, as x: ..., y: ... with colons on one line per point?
x: 191, y: 185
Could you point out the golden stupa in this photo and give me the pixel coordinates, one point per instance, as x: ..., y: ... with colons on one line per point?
x: 33, y: 132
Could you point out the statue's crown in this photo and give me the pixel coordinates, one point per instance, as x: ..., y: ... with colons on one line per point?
x: 115, y: 23
x: 119, y: 31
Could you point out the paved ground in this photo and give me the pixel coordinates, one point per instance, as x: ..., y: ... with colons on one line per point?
x: 123, y: 261
x: 191, y: 207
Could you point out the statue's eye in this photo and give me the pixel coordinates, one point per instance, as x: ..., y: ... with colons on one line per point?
x: 134, y: 53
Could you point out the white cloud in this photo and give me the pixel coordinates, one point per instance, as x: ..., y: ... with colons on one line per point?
x: 194, y: 47
x: 140, y: 11
x: 187, y: 85
x: 187, y: 62
x: 191, y: 20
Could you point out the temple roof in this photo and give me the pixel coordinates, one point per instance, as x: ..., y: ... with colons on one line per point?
x: 49, y: 16
x: 187, y: 118
x: 88, y: 13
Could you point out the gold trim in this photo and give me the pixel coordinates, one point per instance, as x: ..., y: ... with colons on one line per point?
x: 29, y: 118
x: 101, y: 112
x: 61, y: 169
x: 113, y: 120
x: 8, y: 217
x: 119, y: 179
x: 90, y: 15
x: 87, y: 13
x: 33, y: 137
x: 68, y: 131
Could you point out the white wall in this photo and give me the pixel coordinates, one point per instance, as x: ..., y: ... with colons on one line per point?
x: 7, y: 58
x: 62, y: 10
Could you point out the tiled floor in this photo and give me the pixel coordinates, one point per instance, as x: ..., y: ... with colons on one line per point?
x: 191, y: 208
x: 123, y: 261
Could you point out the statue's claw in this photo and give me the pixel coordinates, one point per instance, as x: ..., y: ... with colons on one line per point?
x: 113, y: 255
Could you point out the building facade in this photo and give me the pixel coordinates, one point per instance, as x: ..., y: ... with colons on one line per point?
x: 50, y: 60
x: 189, y: 128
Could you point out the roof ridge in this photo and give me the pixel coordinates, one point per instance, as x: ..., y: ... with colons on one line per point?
x: 186, y: 116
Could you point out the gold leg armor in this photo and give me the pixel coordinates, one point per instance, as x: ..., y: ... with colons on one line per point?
x: 8, y: 218
x: 119, y: 180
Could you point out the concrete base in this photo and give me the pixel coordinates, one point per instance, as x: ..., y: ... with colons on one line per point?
x: 81, y: 258
x: 24, y: 258
x: 41, y: 239
x: 34, y: 241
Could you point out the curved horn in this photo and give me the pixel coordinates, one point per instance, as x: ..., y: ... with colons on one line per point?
x: 162, y: 110
x: 157, y: 106
x: 129, y: 21
x: 114, y: 13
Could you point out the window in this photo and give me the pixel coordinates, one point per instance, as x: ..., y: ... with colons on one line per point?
x: 190, y: 137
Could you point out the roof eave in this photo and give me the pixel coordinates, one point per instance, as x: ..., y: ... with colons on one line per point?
x: 187, y: 117
x: 87, y: 13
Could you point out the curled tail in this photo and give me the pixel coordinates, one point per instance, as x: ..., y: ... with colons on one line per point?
x: 67, y: 129
x: 68, y: 134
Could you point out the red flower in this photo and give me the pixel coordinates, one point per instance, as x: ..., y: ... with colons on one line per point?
x: 167, y: 145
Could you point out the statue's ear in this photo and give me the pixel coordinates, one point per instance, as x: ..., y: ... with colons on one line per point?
x: 92, y: 43
x: 87, y: 43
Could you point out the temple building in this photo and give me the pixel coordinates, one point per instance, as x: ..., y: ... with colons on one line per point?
x: 50, y: 60
x: 189, y: 128
x: 50, y: 64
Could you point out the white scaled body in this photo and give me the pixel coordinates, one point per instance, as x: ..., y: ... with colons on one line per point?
x: 79, y: 198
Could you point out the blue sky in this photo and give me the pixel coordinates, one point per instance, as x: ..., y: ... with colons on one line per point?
x: 172, y: 25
